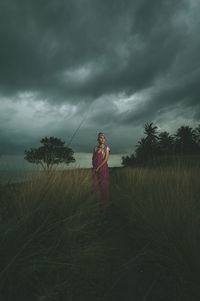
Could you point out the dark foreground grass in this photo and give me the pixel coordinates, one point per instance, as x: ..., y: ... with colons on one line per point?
x: 57, y: 245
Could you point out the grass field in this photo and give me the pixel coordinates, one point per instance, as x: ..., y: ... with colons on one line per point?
x: 57, y: 245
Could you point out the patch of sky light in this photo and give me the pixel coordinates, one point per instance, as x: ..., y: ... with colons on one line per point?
x: 28, y: 115
x: 78, y: 76
x: 133, y: 102
x: 194, y: 4
x: 176, y: 117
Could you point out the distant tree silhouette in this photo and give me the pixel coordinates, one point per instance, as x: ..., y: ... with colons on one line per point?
x: 165, y: 144
x: 141, y: 150
x: 154, y: 145
x: 147, y: 147
x: 185, y: 143
x: 151, y: 131
x: 197, y: 137
x: 128, y: 161
x: 52, y: 152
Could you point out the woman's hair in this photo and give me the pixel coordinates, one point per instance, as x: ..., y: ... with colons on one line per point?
x: 99, y: 135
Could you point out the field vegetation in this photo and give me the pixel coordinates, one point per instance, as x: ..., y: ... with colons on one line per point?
x: 57, y: 245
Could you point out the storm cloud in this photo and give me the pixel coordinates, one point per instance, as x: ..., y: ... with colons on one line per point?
x: 114, y: 64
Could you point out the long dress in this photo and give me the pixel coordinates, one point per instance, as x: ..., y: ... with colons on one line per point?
x: 101, y: 180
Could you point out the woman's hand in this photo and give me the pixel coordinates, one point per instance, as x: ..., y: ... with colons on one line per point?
x: 97, y: 169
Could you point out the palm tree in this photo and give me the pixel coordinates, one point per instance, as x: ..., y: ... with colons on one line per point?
x: 166, y: 143
x: 197, y: 135
x: 128, y: 161
x: 147, y: 147
x: 150, y: 131
x: 185, y: 141
x: 141, y: 151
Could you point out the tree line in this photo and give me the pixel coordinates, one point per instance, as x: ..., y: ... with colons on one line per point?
x: 154, y: 145
x: 151, y: 147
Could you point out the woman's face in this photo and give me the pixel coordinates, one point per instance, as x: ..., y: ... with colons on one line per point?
x: 102, y: 139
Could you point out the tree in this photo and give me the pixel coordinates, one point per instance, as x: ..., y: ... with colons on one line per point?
x: 197, y: 137
x: 52, y: 152
x: 185, y: 141
x: 147, y: 147
x: 165, y: 143
x: 141, y: 150
x: 128, y: 161
x: 151, y: 131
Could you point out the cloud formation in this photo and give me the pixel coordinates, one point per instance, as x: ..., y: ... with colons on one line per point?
x: 118, y: 64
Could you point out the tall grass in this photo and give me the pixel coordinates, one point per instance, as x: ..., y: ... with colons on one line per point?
x: 57, y: 245
x: 163, y: 210
x: 48, y: 238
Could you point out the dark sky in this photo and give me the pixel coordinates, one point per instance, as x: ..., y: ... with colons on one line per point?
x: 116, y: 64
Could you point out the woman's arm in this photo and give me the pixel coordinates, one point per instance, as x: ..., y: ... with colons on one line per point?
x: 94, y: 151
x: 104, y: 161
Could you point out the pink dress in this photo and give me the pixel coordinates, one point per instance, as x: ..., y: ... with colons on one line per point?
x: 101, y: 179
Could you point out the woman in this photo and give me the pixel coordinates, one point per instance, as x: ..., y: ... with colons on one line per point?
x: 100, y: 172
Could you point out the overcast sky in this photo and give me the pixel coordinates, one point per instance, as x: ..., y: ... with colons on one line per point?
x: 114, y: 64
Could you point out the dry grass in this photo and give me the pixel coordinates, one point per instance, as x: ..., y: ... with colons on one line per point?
x: 56, y: 245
